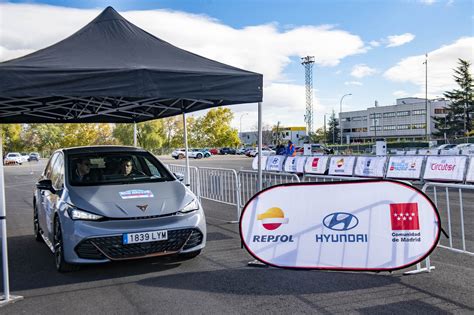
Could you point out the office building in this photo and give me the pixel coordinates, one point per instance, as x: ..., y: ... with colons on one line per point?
x: 406, y: 120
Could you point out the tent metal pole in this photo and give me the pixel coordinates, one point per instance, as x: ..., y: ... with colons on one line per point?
x: 134, y: 134
x: 259, y: 182
x: 6, y: 298
x: 187, y: 181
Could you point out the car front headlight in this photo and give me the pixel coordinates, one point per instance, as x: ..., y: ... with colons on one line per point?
x: 192, y: 206
x: 76, y: 214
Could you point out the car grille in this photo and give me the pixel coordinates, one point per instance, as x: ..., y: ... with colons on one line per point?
x: 111, y: 247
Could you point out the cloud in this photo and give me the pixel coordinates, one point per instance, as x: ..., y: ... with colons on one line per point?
x: 400, y: 93
x: 362, y: 70
x: 374, y: 43
x: 261, y: 48
x: 427, y: 2
x: 353, y: 83
x: 441, y: 63
x: 399, y: 40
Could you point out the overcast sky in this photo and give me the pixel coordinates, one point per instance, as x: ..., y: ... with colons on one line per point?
x: 373, y: 49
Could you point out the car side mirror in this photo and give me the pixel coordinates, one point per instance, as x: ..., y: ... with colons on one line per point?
x: 179, y: 176
x: 45, y: 184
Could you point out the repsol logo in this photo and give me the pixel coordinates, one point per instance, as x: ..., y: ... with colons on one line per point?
x: 341, y: 238
x: 273, y: 238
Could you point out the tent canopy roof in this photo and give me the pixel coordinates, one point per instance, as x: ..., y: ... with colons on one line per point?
x: 113, y: 71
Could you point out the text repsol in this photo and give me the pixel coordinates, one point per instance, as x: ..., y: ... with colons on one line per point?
x: 273, y: 238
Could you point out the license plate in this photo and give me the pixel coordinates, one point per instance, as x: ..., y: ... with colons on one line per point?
x: 144, y: 237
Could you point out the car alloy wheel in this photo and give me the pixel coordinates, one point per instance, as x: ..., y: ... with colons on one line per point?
x: 199, y: 156
x: 181, y: 156
x: 61, y: 264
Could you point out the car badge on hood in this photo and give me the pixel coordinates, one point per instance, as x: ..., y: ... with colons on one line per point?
x: 142, y: 207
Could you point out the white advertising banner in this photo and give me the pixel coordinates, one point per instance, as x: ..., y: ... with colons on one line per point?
x: 370, y: 166
x: 470, y: 171
x: 404, y: 167
x: 445, y: 168
x: 341, y: 165
x: 380, y: 225
x: 275, y: 163
x: 316, y: 164
x: 255, y: 162
x: 295, y: 164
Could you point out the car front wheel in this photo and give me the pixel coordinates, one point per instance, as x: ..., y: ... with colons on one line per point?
x: 199, y: 156
x: 36, y: 226
x: 61, y: 264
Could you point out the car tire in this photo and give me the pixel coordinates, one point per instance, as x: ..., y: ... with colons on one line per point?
x: 181, y: 156
x: 189, y: 255
x: 207, y: 155
x: 199, y: 156
x: 36, y: 227
x: 61, y: 264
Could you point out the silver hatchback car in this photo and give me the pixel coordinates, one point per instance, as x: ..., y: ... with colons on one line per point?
x: 104, y: 203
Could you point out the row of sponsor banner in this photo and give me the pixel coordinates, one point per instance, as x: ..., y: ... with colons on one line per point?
x: 434, y: 168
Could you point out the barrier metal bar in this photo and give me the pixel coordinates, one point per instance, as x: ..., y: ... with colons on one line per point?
x: 331, y: 178
x: 195, y: 181
x: 462, y: 190
x: 221, y: 185
x: 248, y: 182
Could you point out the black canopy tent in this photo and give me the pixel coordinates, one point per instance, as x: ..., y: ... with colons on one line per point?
x: 113, y: 71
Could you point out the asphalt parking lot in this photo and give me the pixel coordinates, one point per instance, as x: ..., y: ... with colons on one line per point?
x: 217, y: 281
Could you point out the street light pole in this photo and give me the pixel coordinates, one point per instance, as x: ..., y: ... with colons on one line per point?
x: 340, y: 112
x: 426, y: 95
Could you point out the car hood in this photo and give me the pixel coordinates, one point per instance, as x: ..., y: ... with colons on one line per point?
x: 130, y: 201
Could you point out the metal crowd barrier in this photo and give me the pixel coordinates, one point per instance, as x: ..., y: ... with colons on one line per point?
x: 220, y: 185
x: 329, y: 178
x: 455, y: 203
x: 248, y: 182
x: 193, y: 177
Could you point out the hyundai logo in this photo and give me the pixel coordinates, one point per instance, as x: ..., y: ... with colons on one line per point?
x: 340, y: 221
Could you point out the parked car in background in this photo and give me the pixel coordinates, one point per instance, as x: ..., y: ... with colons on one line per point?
x: 33, y: 156
x: 244, y: 150
x: 87, y: 212
x: 13, y: 158
x: 24, y: 157
x: 192, y: 153
x: 465, y: 148
x: 214, y: 151
x: 205, y: 152
x: 227, y: 151
x: 265, y: 152
x: 446, y: 147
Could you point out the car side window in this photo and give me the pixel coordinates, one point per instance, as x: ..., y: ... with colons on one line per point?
x: 57, y: 175
x: 57, y: 172
x: 49, y: 167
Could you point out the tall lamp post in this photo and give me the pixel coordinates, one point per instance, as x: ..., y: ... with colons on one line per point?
x: 241, y: 125
x: 426, y: 96
x: 340, y: 112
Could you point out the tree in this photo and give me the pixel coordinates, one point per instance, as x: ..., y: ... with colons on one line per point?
x: 214, y: 130
x: 333, y: 135
x: 317, y: 136
x: 458, y: 121
x: 151, y: 135
x: 12, y: 138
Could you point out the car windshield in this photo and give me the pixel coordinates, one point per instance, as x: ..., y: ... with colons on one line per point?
x: 108, y: 168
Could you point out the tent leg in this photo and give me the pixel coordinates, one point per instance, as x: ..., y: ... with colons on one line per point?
x: 259, y: 182
x: 134, y: 134
x: 188, y: 181
x: 6, y: 298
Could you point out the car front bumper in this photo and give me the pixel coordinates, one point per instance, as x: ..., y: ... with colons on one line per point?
x: 101, y: 241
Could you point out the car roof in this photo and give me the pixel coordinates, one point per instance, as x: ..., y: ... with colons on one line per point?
x: 101, y: 148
